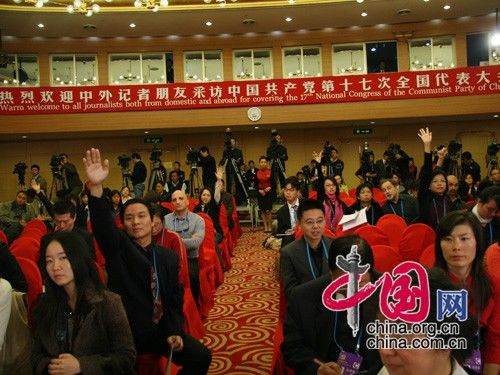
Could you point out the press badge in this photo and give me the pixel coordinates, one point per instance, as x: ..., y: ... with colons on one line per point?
x: 474, y: 362
x: 349, y: 362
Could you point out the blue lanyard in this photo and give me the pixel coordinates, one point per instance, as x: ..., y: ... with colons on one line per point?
x: 490, y: 225
x: 402, y: 209
x: 436, y: 211
x: 157, y: 295
x: 358, y: 338
x: 182, y: 230
x: 373, y: 215
x: 308, y: 251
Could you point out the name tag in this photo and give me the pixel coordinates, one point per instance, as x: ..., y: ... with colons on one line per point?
x: 349, y: 362
x: 474, y: 362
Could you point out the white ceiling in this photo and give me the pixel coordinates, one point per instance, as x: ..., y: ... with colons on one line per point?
x: 229, y: 20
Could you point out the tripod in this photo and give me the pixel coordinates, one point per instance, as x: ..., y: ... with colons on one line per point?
x: 194, y: 181
x: 236, y: 172
x: 126, y: 178
x: 156, y: 175
x: 453, y: 167
x: 55, y: 185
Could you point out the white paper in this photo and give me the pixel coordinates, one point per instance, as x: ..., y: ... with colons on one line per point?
x: 356, y: 219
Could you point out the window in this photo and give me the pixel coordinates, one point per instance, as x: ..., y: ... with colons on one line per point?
x: 382, y: 57
x: 141, y: 68
x: 432, y: 53
x: 20, y: 70
x: 252, y: 64
x: 302, y: 62
x: 349, y: 59
x: 203, y: 66
x: 477, y: 49
x: 74, y: 70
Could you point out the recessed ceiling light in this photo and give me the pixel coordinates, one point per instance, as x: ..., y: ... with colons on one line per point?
x: 360, y: 1
x: 146, y: 132
x: 24, y: 137
x: 426, y: 1
x: 291, y: 1
x: 372, y: 122
x: 256, y: 127
x: 288, y: 19
x: 132, y: 25
x: 364, y: 14
x: 446, y: 7
x: 208, y: 23
x: 41, y: 25
x: 495, y: 116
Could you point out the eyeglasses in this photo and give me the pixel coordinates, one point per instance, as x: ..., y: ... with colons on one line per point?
x: 311, y: 222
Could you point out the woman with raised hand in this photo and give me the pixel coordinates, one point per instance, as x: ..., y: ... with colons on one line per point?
x: 78, y: 326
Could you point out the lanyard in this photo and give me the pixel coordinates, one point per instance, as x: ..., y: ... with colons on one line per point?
x: 358, y: 338
x: 436, y: 211
x: 157, y: 295
x: 402, y: 209
x: 372, y: 215
x: 490, y: 225
x: 308, y: 251
x: 186, y: 220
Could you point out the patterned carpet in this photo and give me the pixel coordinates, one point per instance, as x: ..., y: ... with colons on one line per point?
x: 240, y: 327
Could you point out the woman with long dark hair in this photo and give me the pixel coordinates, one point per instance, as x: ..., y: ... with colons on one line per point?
x: 460, y: 252
x: 78, y: 326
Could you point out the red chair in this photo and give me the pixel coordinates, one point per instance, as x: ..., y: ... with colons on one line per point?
x: 393, y: 226
x: 33, y: 278
x: 225, y: 229
x: 26, y: 247
x: 168, y: 205
x: 3, y: 237
x: 193, y: 324
x: 236, y: 231
x: 428, y: 256
x: 385, y: 258
x: 208, y: 247
x: 379, y: 197
x: 313, y: 194
x: 349, y: 201
x: 36, y: 225
x: 373, y: 235
x: 415, y: 239
x: 193, y: 202
x: 352, y: 193
x: 102, y: 273
x: 327, y: 232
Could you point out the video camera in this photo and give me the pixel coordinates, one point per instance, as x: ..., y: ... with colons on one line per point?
x: 454, y: 150
x: 20, y: 170
x: 55, y: 165
x: 124, y: 161
x: 192, y: 156
x: 493, y: 148
x: 366, y: 153
x: 227, y: 138
x: 155, y: 154
x: 327, y: 151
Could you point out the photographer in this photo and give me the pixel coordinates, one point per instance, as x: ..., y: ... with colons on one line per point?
x: 330, y: 159
x: 72, y: 186
x: 139, y: 174
x: 35, y: 173
x: 469, y: 166
x: 232, y: 159
x: 277, y: 155
x: 398, y: 161
x: 208, y: 167
x: 368, y: 172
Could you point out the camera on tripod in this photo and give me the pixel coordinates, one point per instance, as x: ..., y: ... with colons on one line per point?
x: 327, y: 151
x: 454, y: 150
x: 193, y: 156
x: 20, y: 170
x: 227, y: 138
x: 155, y: 154
x: 124, y: 161
x: 55, y: 165
x: 493, y: 149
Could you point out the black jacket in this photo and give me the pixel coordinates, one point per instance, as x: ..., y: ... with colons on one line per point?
x: 209, y: 168
x: 139, y: 173
x: 10, y: 269
x: 129, y: 271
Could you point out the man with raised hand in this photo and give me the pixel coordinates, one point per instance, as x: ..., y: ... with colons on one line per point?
x: 145, y: 275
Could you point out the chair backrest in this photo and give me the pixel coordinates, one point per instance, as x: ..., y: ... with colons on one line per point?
x: 428, y: 256
x: 3, y: 237
x: 393, y: 226
x: 378, y: 196
x: 26, y: 247
x: 33, y: 277
x: 172, y: 241
x: 385, y: 258
x: 327, y: 232
x: 168, y: 205
x: 373, y: 235
x: 415, y: 239
x: 36, y: 225
x: 313, y: 194
x: 352, y: 193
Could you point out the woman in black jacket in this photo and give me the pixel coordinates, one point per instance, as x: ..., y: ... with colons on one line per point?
x: 364, y: 199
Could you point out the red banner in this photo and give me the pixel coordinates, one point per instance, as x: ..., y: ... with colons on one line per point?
x: 336, y: 89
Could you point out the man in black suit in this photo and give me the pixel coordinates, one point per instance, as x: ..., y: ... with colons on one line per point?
x: 208, y: 167
x: 232, y: 159
x: 313, y: 335
x: 287, y: 214
x: 306, y: 258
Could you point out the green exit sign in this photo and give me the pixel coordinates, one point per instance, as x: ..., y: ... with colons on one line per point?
x: 153, y: 140
x: 362, y: 131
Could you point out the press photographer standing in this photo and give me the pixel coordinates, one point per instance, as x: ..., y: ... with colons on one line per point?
x: 139, y: 174
x: 232, y: 159
x: 71, y: 184
x: 208, y: 167
x: 277, y: 155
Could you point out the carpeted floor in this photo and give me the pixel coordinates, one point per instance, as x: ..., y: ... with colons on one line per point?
x: 240, y: 327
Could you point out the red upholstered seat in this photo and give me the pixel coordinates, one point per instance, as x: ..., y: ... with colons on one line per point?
x: 3, y: 237
x: 36, y: 226
x: 428, y: 256
x: 378, y: 196
x: 352, y: 193
x: 168, y: 205
x: 278, y: 366
x: 349, y: 201
x: 393, y: 226
x: 193, y: 202
x: 193, y: 324
x: 33, y: 279
x: 373, y: 235
x: 26, y: 247
x: 226, y: 232
x: 385, y: 258
x: 415, y: 239
x: 236, y: 231
x: 313, y: 194
x: 327, y: 232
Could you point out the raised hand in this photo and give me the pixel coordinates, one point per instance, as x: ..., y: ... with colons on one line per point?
x: 426, y: 137
x: 95, y: 170
x: 35, y: 186
x: 219, y: 173
x: 317, y: 156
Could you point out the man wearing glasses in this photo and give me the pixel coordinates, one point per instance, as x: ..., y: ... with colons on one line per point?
x: 306, y: 258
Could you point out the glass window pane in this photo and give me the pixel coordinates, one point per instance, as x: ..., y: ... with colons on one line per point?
x: 420, y: 54
x: 312, y: 62
x: 262, y: 64
x: 477, y: 49
x: 348, y: 59
x: 382, y: 57
x: 213, y: 66
x: 86, y: 70
x: 169, y: 67
x: 8, y: 76
x: 443, y: 52
x: 153, y: 68
x: 193, y: 67
x: 125, y: 69
x: 292, y: 64
x: 243, y: 65
x: 63, y: 70
x: 28, y: 72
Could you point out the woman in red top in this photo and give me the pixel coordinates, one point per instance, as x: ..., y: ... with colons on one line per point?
x: 265, y: 197
x: 460, y: 252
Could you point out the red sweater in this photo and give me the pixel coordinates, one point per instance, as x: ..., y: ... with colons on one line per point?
x: 264, y: 178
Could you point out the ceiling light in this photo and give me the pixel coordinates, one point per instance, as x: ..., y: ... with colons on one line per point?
x: 291, y: 1
x: 41, y: 25
x: 364, y: 14
x: 446, y: 7
x: 132, y: 25
x: 426, y: 1
x: 372, y: 122
x: 146, y: 132
x: 256, y: 127
x: 24, y: 137
x: 152, y: 5
x: 208, y: 23
x: 360, y: 1
x: 495, y: 116
x: 288, y: 19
